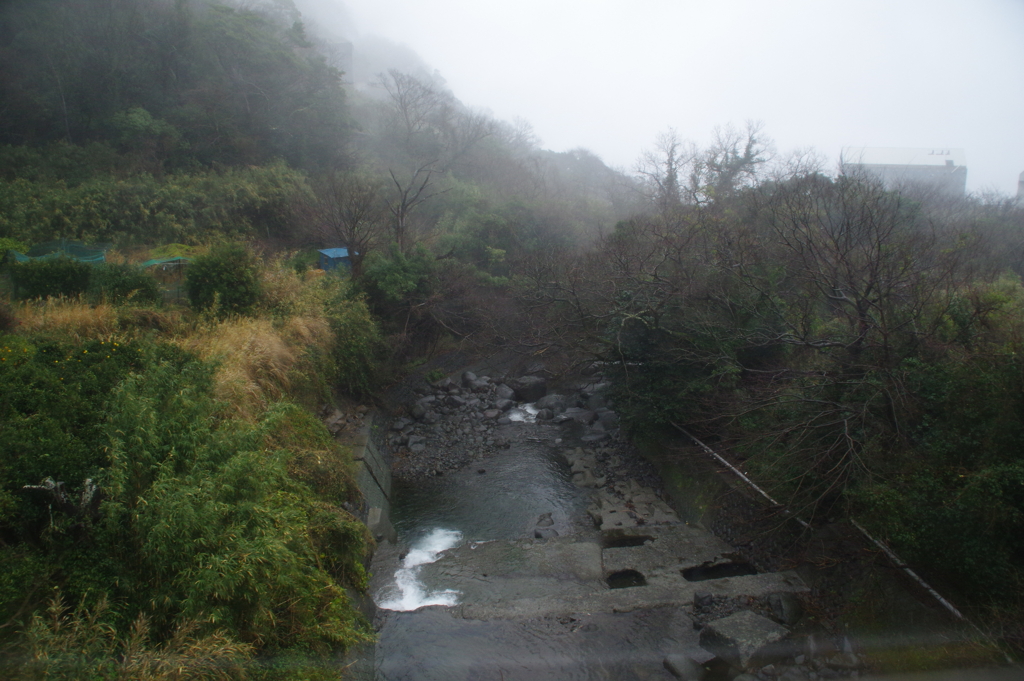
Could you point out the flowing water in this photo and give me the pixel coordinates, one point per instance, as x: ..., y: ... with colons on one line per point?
x: 462, y: 541
x: 500, y: 498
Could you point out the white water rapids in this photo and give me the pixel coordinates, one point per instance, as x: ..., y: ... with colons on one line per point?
x: 409, y: 592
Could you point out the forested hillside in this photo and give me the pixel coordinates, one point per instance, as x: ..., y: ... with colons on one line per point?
x: 170, y: 507
x: 854, y: 348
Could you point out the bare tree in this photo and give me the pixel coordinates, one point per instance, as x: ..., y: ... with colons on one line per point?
x: 675, y: 172
x: 660, y: 169
x: 861, y: 252
x: 351, y: 208
x: 430, y: 122
x: 406, y: 198
x: 413, y: 103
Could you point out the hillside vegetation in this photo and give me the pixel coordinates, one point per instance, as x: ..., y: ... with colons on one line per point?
x: 854, y: 347
x: 164, y: 490
x: 170, y: 507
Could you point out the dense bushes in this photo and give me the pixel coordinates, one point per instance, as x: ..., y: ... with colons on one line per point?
x: 112, y: 282
x: 165, y: 519
x: 123, y: 283
x: 50, y: 278
x: 226, y: 278
x: 852, y: 347
x: 184, y: 208
x: 192, y: 521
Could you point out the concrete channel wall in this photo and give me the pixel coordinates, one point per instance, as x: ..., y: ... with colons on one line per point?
x: 369, y: 450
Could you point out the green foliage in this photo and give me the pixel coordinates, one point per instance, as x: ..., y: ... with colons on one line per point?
x: 170, y: 251
x: 58, y: 161
x: 391, y: 279
x: 117, y: 283
x: 7, y: 319
x: 82, y: 643
x: 301, y: 261
x: 226, y: 278
x: 7, y: 244
x: 52, y: 400
x: 222, y: 529
x: 185, y: 207
x: 959, y: 492
x: 181, y: 96
x: 50, y: 278
x: 209, y: 532
x: 357, y: 340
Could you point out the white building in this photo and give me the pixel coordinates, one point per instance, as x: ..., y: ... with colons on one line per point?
x: 943, y: 169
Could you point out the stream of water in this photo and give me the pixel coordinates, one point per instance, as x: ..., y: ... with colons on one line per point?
x: 498, y: 499
x: 501, y: 498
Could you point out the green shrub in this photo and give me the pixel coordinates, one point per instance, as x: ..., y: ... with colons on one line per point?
x: 357, y: 340
x: 226, y: 278
x: 182, y: 208
x: 83, y: 643
x: 391, y: 280
x: 10, y: 245
x: 301, y: 261
x: 7, y: 319
x: 202, y: 519
x: 121, y: 282
x: 50, y: 278
x: 52, y: 406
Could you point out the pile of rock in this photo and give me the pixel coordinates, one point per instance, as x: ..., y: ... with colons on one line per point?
x: 343, y: 422
x: 586, y: 406
x: 451, y: 425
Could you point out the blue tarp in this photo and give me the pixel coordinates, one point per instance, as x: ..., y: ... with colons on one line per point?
x: 332, y: 257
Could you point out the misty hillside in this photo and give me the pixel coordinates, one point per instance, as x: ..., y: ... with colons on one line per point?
x: 178, y: 353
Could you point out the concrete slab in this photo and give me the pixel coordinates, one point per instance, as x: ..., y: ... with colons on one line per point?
x: 669, y: 550
x: 746, y: 640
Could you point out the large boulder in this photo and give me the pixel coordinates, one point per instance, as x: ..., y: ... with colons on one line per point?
x: 684, y: 667
x: 584, y: 416
x: 504, y: 404
x: 786, y: 608
x: 529, y: 388
x: 479, y: 386
x: 608, y: 419
x: 555, y: 403
x: 504, y: 392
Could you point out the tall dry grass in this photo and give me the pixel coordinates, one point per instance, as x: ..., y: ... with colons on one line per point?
x: 71, y: 317
x: 257, y: 360
x: 283, y: 352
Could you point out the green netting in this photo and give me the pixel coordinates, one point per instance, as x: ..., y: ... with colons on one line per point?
x: 92, y: 260
x: 64, y: 248
x: 166, y: 261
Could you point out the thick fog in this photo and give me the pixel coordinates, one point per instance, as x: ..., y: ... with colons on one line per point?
x: 611, y: 75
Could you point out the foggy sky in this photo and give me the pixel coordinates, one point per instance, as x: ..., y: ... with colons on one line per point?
x: 611, y: 75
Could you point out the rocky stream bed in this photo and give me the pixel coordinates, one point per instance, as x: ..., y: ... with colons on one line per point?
x: 535, y: 543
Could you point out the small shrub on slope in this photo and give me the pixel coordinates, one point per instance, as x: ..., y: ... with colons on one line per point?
x: 226, y: 278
